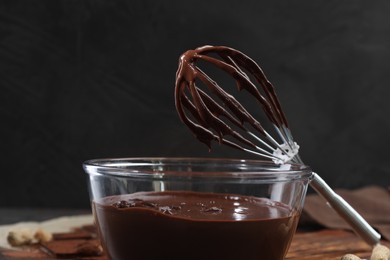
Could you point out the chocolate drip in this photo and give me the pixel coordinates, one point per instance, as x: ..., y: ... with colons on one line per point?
x: 207, y: 112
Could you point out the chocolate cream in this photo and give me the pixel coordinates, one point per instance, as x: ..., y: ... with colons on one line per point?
x: 193, y: 225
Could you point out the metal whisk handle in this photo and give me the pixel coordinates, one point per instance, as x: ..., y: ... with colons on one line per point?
x: 350, y: 215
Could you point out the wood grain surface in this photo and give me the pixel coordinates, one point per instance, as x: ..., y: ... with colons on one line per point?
x: 328, y: 244
x: 312, y: 245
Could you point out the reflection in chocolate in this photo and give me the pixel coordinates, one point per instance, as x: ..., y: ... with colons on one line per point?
x: 193, y: 225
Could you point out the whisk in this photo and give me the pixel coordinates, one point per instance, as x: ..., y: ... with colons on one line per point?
x: 214, y: 115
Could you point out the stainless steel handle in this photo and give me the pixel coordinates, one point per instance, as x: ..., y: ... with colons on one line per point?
x: 344, y: 210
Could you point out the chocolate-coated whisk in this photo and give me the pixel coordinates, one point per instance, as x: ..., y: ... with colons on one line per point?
x: 229, y: 123
x: 208, y: 113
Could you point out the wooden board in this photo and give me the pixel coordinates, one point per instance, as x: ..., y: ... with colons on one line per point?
x: 328, y: 244
x: 313, y: 245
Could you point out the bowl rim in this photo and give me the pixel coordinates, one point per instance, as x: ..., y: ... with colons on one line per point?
x: 151, y: 167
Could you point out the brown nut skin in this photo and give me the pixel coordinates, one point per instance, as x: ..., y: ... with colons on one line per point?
x: 20, y: 237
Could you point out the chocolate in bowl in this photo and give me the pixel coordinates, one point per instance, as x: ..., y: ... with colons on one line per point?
x: 196, y: 208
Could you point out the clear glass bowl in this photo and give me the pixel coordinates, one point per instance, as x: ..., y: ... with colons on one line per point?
x: 196, y: 208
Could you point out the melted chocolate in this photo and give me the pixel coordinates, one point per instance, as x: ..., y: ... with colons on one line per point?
x: 192, y: 225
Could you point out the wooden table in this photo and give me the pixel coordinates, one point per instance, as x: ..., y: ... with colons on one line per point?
x: 322, y: 244
x: 328, y: 244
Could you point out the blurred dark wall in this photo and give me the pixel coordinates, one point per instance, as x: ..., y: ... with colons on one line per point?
x: 89, y: 79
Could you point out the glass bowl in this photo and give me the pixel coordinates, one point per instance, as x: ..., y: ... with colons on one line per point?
x: 195, y: 208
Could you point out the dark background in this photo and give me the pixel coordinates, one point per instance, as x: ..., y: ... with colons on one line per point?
x: 90, y: 79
